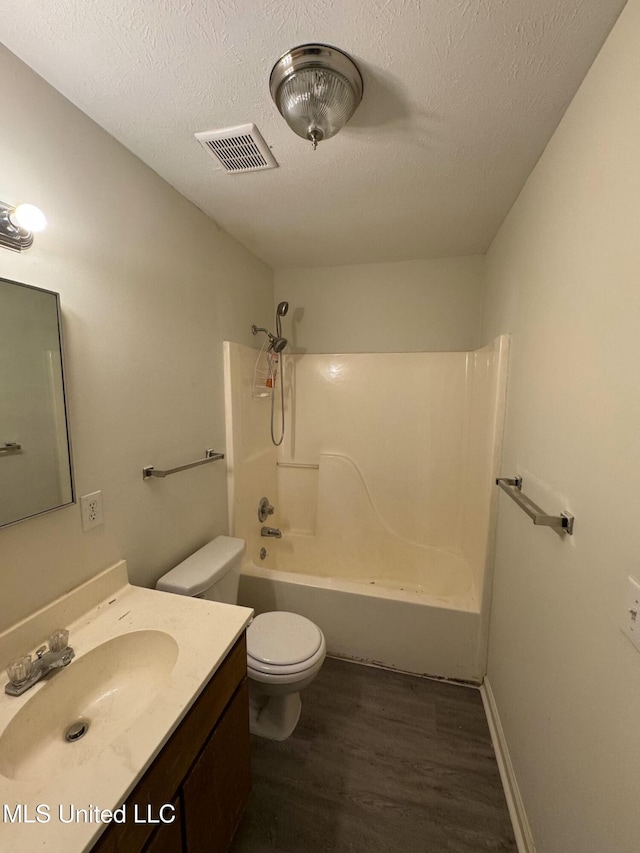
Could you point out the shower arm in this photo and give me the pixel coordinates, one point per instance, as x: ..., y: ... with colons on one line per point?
x: 276, y: 343
x: 270, y: 335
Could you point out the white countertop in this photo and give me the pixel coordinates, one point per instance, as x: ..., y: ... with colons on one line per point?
x: 105, y: 773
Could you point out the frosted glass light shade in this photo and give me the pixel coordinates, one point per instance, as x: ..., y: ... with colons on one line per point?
x: 315, y: 102
x: 317, y: 89
x: 29, y: 217
x: 18, y: 224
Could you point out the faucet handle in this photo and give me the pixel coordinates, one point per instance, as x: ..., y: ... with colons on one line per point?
x: 59, y: 640
x: 20, y: 669
x: 265, y: 509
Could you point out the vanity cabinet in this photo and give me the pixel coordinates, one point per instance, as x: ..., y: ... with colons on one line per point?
x: 167, y: 838
x: 203, y: 772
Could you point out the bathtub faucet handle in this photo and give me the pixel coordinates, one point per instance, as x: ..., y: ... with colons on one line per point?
x: 264, y: 509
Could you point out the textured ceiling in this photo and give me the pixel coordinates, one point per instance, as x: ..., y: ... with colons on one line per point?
x: 461, y: 97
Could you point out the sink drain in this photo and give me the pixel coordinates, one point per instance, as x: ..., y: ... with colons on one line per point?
x: 76, y: 731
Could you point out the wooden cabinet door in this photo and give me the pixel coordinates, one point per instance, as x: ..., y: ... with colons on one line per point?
x: 168, y: 837
x: 216, y: 791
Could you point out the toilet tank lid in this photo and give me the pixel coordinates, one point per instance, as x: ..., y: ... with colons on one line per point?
x: 204, y: 567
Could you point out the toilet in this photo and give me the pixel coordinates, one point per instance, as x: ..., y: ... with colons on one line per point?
x: 285, y: 651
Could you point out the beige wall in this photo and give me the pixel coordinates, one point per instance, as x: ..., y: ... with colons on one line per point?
x: 408, y: 306
x: 149, y: 290
x: 564, y: 278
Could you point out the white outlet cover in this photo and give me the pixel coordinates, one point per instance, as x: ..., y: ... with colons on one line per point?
x: 91, y: 510
x: 631, y: 623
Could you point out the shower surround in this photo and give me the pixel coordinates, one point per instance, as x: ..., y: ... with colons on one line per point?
x: 384, y: 491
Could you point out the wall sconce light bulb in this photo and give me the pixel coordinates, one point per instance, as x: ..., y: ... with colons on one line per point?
x: 29, y: 217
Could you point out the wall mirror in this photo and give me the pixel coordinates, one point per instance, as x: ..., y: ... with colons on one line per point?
x: 35, y: 456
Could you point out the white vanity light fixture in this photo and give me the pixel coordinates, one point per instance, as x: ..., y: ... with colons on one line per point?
x: 18, y: 225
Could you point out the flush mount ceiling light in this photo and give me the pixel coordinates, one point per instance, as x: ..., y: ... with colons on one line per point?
x: 18, y: 224
x: 317, y: 88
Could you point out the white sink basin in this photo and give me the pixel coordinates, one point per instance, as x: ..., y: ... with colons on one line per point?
x: 107, y: 689
x: 142, y: 658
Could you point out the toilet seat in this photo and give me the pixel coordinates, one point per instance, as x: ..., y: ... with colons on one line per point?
x: 282, y: 644
x: 301, y: 668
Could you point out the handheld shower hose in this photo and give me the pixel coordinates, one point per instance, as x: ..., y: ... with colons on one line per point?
x: 276, y: 345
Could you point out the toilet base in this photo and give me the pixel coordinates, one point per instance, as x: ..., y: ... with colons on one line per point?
x: 273, y: 717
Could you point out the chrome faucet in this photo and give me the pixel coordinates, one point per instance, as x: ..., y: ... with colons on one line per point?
x: 24, y: 673
x: 271, y: 532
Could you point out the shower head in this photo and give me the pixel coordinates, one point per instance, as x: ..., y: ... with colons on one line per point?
x: 277, y: 344
x: 281, y: 310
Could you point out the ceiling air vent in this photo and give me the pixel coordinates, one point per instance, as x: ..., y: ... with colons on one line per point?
x: 238, y: 149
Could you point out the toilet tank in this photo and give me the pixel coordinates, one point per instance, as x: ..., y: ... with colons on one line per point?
x: 212, y: 572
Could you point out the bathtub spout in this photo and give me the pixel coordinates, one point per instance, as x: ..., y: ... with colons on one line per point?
x: 271, y: 532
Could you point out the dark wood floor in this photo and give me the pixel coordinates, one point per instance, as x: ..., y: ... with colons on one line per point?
x: 380, y: 762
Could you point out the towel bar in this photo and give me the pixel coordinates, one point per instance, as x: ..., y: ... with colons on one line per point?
x: 314, y: 465
x: 513, y: 487
x: 10, y: 447
x: 210, y: 456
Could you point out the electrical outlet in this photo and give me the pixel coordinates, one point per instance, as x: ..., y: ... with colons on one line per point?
x: 631, y: 623
x: 91, y: 509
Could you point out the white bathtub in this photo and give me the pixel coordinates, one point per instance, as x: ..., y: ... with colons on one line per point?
x: 384, y: 490
x: 407, y: 572
x: 369, y: 621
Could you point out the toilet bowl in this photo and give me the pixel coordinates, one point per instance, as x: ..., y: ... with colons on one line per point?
x: 285, y: 651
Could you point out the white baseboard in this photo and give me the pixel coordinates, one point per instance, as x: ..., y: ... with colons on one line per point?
x: 521, y: 828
